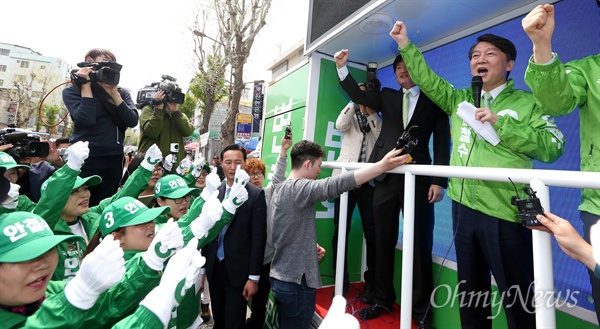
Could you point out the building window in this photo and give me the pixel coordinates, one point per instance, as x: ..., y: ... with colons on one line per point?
x: 25, y: 64
x: 21, y: 78
x: 4, y: 51
x: 1, y: 82
x: 43, y: 67
x: 2, y: 68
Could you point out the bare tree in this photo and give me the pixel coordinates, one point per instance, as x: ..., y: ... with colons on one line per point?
x: 208, y: 86
x: 239, y: 23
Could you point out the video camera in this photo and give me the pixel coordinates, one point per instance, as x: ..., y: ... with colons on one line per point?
x: 24, y: 144
x: 107, y: 72
x: 171, y: 89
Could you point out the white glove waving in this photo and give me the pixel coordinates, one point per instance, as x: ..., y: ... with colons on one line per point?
x: 77, y: 153
x: 167, y: 241
x: 211, y: 213
x: 180, y: 274
x: 152, y: 157
x: 212, y: 184
x: 100, y: 270
x: 198, y: 163
x: 337, y: 316
x: 183, y: 167
x: 168, y: 162
x: 238, y: 193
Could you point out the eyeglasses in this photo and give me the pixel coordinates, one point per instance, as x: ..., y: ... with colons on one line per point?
x: 203, y: 174
x: 257, y: 174
x: 158, y: 170
x: 187, y: 198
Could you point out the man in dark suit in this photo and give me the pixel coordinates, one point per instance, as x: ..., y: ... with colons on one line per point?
x: 402, y: 110
x: 234, y: 259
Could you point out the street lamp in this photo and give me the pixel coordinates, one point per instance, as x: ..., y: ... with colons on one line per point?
x: 202, y: 35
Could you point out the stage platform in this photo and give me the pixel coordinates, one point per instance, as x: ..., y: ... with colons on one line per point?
x: 354, y: 306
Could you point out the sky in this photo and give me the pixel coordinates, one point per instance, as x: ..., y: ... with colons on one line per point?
x: 149, y: 38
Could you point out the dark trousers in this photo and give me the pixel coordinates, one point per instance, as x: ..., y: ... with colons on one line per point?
x: 363, y: 197
x: 227, y: 302
x: 589, y: 220
x: 388, y: 200
x: 485, y: 243
x: 295, y: 303
x: 260, y: 299
x: 110, y: 168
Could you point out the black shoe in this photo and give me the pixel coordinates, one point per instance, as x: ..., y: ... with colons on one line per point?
x: 367, y: 297
x: 204, y: 312
x: 373, y: 312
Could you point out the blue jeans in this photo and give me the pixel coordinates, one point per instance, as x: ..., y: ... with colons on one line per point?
x: 295, y: 303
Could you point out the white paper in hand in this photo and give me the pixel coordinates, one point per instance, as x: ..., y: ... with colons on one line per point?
x: 466, y: 111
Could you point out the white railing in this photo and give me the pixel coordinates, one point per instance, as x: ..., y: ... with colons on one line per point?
x: 542, y: 247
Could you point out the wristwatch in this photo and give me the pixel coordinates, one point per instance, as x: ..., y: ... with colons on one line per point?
x: 255, y: 281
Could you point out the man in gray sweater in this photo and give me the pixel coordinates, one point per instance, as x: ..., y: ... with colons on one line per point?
x: 295, y: 266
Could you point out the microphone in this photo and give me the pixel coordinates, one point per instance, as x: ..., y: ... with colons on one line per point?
x: 476, y: 84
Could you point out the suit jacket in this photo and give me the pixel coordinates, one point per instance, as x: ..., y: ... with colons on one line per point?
x: 427, y: 115
x: 352, y: 136
x: 244, y: 241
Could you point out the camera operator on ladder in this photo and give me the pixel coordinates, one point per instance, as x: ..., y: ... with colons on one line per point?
x: 101, y: 112
x: 162, y: 123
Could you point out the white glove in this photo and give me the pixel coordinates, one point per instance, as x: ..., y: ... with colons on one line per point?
x: 211, y: 213
x: 198, y: 163
x: 212, y: 184
x: 12, y: 199
x: 238, y: 194
x: 337, y: 316
x: 183, y: 167
x: 77, y: 153
x: 100, y: 270
x: 181, y: 273
x: 152, y: 157
x: 168, y: 162
x: 167, y: 241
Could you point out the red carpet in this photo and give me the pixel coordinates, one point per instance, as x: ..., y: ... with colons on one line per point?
x: 353, y: 306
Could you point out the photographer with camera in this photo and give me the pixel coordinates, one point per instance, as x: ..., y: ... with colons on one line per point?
x: 101, y: 112
x: 360, y: 126
x: 161, y: 122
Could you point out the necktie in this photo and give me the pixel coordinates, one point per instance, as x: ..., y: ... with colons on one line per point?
x: 220, y: 248
x: 405, y: 100
x: 487, y: 100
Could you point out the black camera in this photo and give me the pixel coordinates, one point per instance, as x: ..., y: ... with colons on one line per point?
x: 24, y: 145
x: 106, y: 72
x: 406, y: 142
x: 528, y: 208
x: 167, y: 85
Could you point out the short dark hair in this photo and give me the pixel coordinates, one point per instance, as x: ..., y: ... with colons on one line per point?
x: 506, y: 46
x: 234, y: 147
x: 101, y: 51
x: 397, y: 60
x: 305, y: 150
x: 62, y: 140
x: 373, y: 85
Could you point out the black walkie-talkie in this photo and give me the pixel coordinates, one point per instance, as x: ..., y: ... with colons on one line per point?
x: 406, y: 143
x: 528, y: 208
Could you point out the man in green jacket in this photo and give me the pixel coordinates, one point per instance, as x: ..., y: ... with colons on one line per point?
x: 163, y: 124
x: 561, y: 89
x: 489, y: 234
